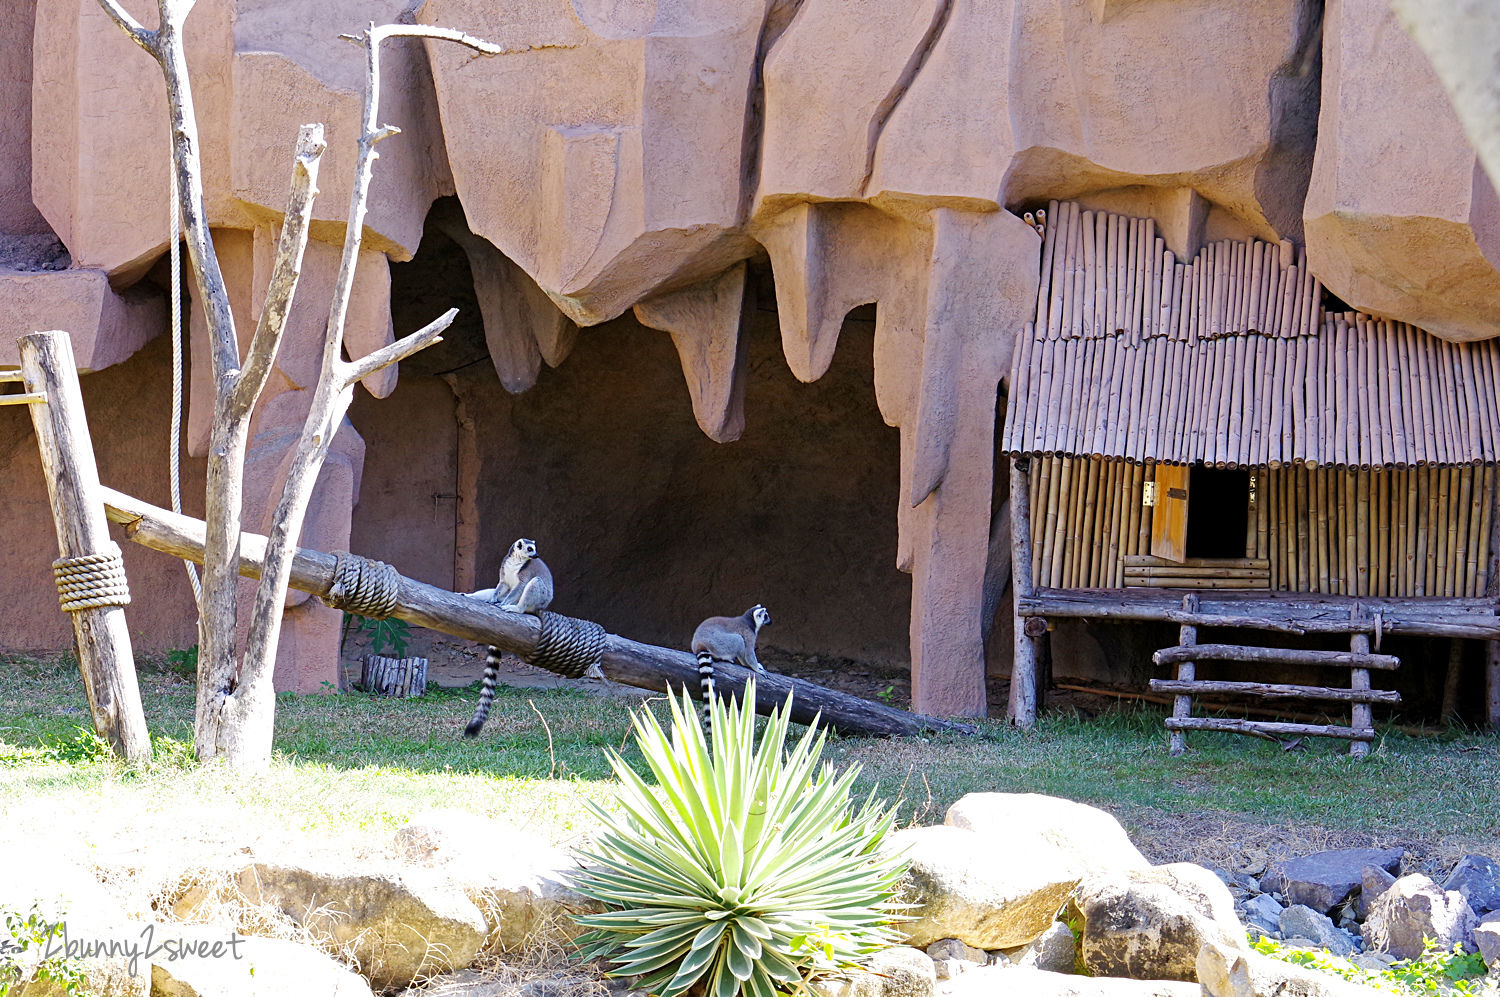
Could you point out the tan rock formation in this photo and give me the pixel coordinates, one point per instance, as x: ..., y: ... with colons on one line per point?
x: 1401, y: 219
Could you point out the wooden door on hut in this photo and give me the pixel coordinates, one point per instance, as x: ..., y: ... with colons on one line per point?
x: 1208, y: 426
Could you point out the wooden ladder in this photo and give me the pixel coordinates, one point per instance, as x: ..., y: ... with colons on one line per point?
x: 1357, y: 659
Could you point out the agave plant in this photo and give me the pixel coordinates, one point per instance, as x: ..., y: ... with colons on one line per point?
x: 748, y: 869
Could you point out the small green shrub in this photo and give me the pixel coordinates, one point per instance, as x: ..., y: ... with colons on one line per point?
x: 1435, y: 974
x: 183, y: 661
x: 25, y: 932
x: 748, y: 870
x: 388, y: 633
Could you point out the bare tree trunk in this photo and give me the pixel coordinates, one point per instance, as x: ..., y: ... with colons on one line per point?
x: 235, y: 703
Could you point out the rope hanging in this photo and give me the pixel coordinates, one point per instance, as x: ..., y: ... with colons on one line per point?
x: 363, y: 586
x: 567, y: 646
x: 91, y: 581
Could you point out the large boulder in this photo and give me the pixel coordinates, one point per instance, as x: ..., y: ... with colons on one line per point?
x: 397, y: 928
x: 1477, y: 877
x: 1013, y: 821
x: 1150, y: 924
x: 1413, y: 910
x: 521, y: 884
x: 962, y: 886
x: 1022, y: 982
x: 1226, y: 972
x: 1324, y: 880
x: 218, y: 965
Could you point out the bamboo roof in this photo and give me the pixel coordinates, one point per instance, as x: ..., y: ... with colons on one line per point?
x: 1230, y: 360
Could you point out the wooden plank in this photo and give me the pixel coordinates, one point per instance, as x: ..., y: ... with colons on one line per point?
x: 1149, y: 560
x: 1104, y: 606
x: 1281, y: 656
x: 1169, y: 516
x: 1194, y: 582
x: 1492, y: 685
x: 1261, y: 727
x: 1266, y: 690
x: 1193, y: 571
x: 105, y: 661
x: 623, y: 660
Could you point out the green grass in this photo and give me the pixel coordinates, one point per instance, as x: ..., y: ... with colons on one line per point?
x: 354, y: 767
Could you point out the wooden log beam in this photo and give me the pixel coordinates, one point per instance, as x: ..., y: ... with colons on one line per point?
x: 1275, y: 655
x: 624, y: 661
x: 1258, y: 728
x: 1267, y: 690
x: 105, y: 660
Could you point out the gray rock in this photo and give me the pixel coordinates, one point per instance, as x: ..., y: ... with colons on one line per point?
x: 398, y: 927
x: 1015, y: 821
x: 953, y: 948
x: 1304, y: 922
x: 1018, y: 982
x: 901, y: 971
x: 1414, y: 909
x: 963, y: 886
x: 1373, y: 882
x: 1487, y: 938
x: 1055, y: 950
x: 1263, y: 912
x: 1477, y: 878
x: 1150, y: 924
x: 1324, y: 880
x: 251, y: 967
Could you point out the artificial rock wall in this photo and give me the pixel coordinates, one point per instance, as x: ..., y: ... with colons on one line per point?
x: 636, y: 165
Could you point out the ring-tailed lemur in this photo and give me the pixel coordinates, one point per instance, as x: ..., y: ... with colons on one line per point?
x: 726, y: 638
x: 525, y: 586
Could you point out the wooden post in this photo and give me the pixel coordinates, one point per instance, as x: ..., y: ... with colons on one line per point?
x: 1182, y: 706
x: 1361, y: 717
x: 1451, y: 680
x: 1492, y: 684
x: 104, y: 656
x: 1021, y: 710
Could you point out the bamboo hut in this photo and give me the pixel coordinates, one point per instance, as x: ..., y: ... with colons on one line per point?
x: 1206, y: 428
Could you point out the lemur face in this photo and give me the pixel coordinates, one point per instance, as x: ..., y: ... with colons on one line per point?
x: 761, y: 616
x: 525, y: 548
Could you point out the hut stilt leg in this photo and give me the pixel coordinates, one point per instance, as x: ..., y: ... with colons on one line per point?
x: 1187, y: 671
x: 1451, y: 680
x: 1492, y: 684
x: 1361, y: 717
x: 1022, y: 706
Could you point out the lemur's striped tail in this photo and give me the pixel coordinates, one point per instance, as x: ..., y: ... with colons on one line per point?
x: 486, y: 693
x: 705, y: 693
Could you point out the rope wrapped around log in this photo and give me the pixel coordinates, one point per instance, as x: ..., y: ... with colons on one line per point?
x: 91, y: 581
x: 363, y: 586
x: 568, y: 646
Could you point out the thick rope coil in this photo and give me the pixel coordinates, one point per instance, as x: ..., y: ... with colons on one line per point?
x: 363, y: 586
x: 91, y: 581
x: 567, y: 646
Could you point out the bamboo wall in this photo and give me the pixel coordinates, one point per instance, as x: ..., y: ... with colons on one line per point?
x: 1421, y: 531
x: 1229, y: 359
